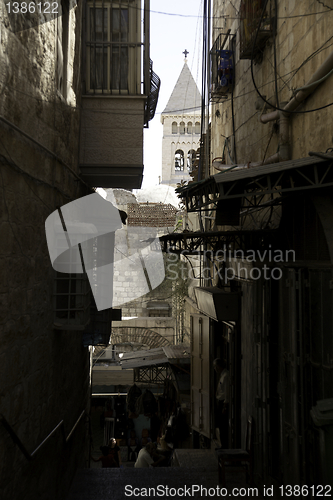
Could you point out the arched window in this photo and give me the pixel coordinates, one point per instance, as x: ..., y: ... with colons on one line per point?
x: 191, y: 156
x: 189, y: 128
x: 179, y: 160
x: 197, y: 128
x: 182, y: 128
x: 174, y: 127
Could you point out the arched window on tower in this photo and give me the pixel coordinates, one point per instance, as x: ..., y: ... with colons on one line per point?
x: 174, y: 128
x: 179, y: 160
x: 191, y: 155
x: 182, y: 128
x: 197, y: 128
x: 189, y: 128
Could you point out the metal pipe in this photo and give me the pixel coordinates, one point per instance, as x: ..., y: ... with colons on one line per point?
x: 284, y: 142
x: 312, y: 84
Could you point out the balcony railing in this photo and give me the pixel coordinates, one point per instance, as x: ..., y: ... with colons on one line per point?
x: 152, y: 99
x: 222, y: 66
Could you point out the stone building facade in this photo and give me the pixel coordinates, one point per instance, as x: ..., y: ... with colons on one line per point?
x: 264, y: 300
x: 301, y: 45
x: 45, y: 372
x: 181, y: 121
x: 47, y: 160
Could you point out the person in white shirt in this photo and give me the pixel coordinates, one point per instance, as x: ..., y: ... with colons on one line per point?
x: 223, y: 399
x: 145, y: 457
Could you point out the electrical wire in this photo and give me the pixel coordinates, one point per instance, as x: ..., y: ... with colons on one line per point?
x: 236, y: 18
x: 233, y: 44
x: 293, y: 72
x: 274, y: 52
x: 253, y: 80
x: 322, y: 3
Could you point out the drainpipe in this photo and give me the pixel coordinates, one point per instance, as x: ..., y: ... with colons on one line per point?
x: 284, y: 142
x: 312, y: 84
x: 282, y: 155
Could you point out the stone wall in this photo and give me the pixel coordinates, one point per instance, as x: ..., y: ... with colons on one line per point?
x: 303, y: 36
x: 45, y: 373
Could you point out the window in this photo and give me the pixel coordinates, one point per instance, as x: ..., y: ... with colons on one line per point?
x: 72, y: 295
x: 189, y: 128
x: 222, y: 65
x: 197, y: 128
x: 250, y: 15
x: 182, y: 128
x: 71, y: 301
x: 179, y: 160
x: 158, y: 309
x: 159, y: 313
x: 174, y: 127
x: 113, y: 47
x: 191, y: 157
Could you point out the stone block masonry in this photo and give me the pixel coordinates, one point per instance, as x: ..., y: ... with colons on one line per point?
x: 45, y: 373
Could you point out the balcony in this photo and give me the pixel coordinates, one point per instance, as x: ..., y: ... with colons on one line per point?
x: 117, y: 78
x: 222, y: 64
x: 152, y: 99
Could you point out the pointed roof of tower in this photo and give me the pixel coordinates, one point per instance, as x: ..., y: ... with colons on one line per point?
x: 185, y: 97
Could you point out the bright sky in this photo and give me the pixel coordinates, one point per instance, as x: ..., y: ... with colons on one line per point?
x: 175, y: 25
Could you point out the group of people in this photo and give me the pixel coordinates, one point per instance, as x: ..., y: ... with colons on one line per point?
x: 147, y: 457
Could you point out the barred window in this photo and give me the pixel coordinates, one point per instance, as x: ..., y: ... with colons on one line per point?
x: 114, y: 47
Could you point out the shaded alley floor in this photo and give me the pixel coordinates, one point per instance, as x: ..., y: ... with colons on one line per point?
x: 193, y: 475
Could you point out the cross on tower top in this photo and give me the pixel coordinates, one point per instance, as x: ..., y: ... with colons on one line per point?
x: 185, y: 52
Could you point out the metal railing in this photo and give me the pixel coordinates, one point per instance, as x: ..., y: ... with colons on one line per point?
x: 18, y: 442
x: 152, y: 99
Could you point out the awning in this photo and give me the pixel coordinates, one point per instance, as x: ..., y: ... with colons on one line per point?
x: 174, y: 354
x: 218, y: 304
x: 275, y: 179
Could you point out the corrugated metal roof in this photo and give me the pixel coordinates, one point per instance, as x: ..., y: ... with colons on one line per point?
x: 266, y: 169
x: 253, y: 172
x: 174, y: 354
